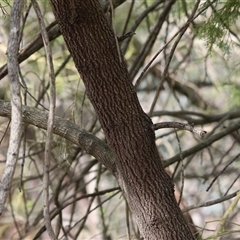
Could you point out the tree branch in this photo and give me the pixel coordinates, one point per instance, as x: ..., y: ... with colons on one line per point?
x: 207, y: 142
x: 198, y: 117
x: 165, y: 71
x: 91, y: 144
x: 51, y: 117
x: 212, y: 202
x: 53, y: 33
x: 178, y: 125
x: 16, y: 102
x: 64, y: 128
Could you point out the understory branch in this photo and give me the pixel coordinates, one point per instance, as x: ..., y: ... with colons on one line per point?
x: 178, y: 125
x: 205, y: 143
x: 66, y: 129
x: 16, y: 103
x: 93, y: 145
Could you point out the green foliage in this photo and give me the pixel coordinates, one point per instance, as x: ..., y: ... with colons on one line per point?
x: 215, y: 30
x: 233, y: 89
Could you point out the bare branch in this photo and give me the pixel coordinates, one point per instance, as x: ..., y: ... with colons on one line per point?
x: 182, y: 169
x: 178, y: 125
x: 139, y: 20
x: 150, y: 41
x: 53, y: 33
x: 51, y: 116
x: 213, y: 202
x: 16, y: 102
x: 66, y: 129
x: 165, y: 72
x: 207, y: 142
x: 215, y: 178
x: 56, y: 211
x: 201, y: 117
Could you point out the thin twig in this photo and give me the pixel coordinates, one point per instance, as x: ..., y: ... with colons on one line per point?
x: 148, y: 45
x: 5, y: 132
x: 213, y: 202
x: 47, y: 154
x: 138, y: 21
x: 128, y: 17
x: 16, y: 223
x: 234, y: 181
x: 165, y: 72
x: 182, y: 170
x: 178, y: 125
x: 203, y: 144
x: 54, y: 32
x: 127, y: 220
x: 91, y: 210
x: 115, y: 36
x: 24, y: 85
x: 222, y: 171
x: 172, y: 38
x: 66, y: 204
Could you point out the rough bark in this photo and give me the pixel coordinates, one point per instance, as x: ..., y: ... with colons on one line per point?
x: 128, y: 130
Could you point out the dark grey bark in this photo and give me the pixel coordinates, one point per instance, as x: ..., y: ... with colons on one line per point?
x: 128, y: 130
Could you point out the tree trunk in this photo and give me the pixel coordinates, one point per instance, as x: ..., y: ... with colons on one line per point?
x: 128, y: 130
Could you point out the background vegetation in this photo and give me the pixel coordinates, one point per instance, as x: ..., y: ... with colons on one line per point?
x: 193, y: 79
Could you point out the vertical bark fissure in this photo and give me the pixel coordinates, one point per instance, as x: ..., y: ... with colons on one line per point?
x: 128, y: 130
